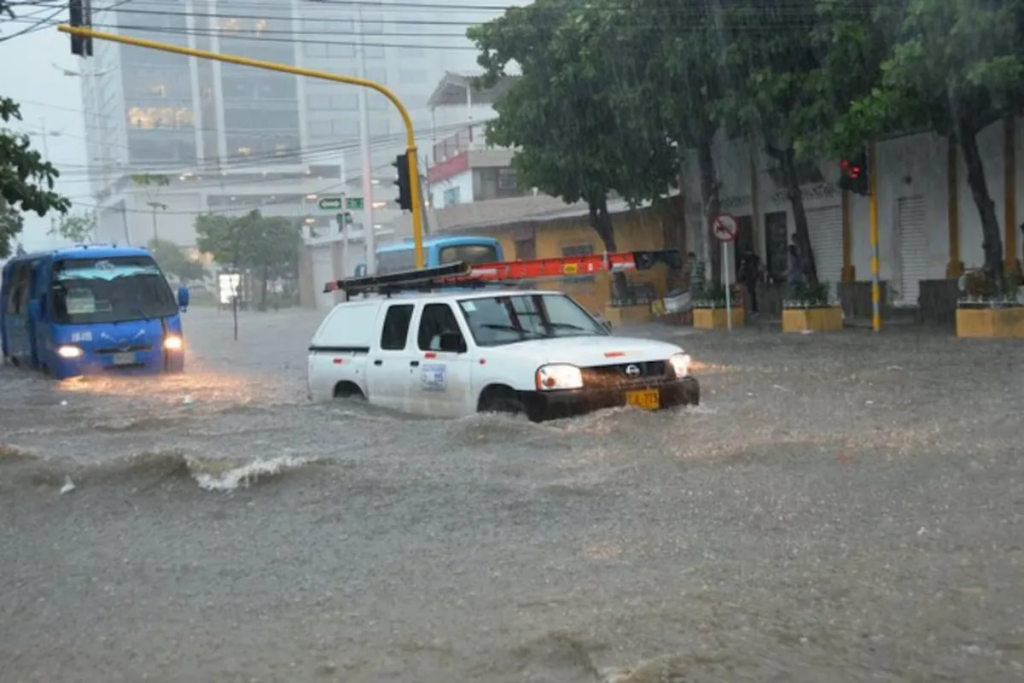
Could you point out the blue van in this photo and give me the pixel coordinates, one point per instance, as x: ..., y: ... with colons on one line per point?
x: 87, y: 310
x: 437, y: 251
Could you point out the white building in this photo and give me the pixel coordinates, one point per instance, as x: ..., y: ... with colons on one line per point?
x: 233, y: 138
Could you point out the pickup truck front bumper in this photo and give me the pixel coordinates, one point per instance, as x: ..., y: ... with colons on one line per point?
x: 551, y: 405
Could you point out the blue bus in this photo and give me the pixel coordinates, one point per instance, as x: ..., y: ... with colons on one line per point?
x: 437, y: 251
x: 89, y: 309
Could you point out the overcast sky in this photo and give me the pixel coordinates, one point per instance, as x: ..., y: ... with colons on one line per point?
x: 49, y: 101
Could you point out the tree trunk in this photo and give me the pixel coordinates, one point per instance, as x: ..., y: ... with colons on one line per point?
x: 802, y: 237
x: 266, y: 286
x: 992, y: 241
x: 601, y: 221
x: 711, y: 205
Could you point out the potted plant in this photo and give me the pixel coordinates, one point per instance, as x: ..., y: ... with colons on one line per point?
x: 807, y: 308
x: 709, y: 310
x: 990, y: 310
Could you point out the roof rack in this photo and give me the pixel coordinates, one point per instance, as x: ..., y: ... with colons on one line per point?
x: 463, y: 275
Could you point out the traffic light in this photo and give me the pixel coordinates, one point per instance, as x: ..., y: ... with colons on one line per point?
x: 80, y: 16
x: 854, y: 174
x: 404, y: 198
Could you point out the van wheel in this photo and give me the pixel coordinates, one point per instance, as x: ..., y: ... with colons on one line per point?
x: 501, y: 399
x: 348, y: 390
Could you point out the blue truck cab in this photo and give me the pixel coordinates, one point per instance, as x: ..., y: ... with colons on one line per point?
x: 89, y: 310
x: 437, y: 251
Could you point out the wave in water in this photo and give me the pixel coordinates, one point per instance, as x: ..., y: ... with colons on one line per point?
x: 210, y: 474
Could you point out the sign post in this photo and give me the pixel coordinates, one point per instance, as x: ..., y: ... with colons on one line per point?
x: 724, y: 227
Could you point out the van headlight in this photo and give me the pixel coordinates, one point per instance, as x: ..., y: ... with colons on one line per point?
x: 680, y: 364
x: 173, y: 342
x: 559, y: 376
x: 68, y: 351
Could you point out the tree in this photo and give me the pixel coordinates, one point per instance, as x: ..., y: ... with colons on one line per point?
x: 576, y: 136
x: 79, y: 229
x: 956, y: 68
x: 268, y: 244
x: 26, y: 181
x: 791, y: 69
x: 173, y: 260
x: 678, y: 79
x: 152, y: 184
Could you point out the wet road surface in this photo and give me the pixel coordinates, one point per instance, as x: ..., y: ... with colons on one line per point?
x: 841, y: 508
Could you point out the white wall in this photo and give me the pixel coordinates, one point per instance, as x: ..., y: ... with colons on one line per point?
x: 907, y: 167
x: 463, y: 181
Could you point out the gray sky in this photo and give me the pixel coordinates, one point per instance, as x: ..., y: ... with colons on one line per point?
x: 52, y: 100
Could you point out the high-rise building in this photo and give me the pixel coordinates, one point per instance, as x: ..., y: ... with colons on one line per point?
x: 230, y: 138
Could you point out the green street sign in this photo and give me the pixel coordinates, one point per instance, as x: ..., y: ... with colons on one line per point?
x: 329, y: 203
x: 354, y: 203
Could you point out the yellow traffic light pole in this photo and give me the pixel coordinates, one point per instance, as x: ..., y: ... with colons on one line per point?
x: 414, y: 171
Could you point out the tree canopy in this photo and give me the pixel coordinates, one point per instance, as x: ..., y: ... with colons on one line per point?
x: 76, y: 228
x: 268, y: 245
x: 174, y: 261
x: 612, y: 98
x: 26, y: 181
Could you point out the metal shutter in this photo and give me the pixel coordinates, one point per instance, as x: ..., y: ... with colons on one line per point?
x: 323, y: 272
x: 912, y: 243
x: 825, y: 226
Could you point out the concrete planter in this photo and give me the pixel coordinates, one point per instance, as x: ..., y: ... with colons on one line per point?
x: 717, y: 319
x: 826, y: 319
x: 990, y: 323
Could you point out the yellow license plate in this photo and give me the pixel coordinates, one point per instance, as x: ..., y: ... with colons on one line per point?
x: 645, y: 399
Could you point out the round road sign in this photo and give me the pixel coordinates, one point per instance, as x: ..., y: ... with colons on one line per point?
x: 724, y: 226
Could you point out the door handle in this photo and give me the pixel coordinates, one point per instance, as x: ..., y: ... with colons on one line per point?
x: 378, y: 362
x: 414, y: 363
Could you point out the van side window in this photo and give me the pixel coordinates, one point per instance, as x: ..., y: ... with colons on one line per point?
x: 396, y: 327
x: 21, y: 280
x: 436, y: 319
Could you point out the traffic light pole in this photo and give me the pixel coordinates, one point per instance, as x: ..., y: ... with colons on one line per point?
x: 82, y: 32
x: 876, y: 289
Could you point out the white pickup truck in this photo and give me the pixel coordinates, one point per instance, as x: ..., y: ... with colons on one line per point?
x: 452, y: 354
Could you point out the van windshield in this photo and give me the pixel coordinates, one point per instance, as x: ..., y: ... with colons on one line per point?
x: 514, y: 318
x: 109, y: 290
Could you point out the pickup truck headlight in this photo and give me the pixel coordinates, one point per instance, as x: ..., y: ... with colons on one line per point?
x: 680, y: 364
x: 559, y: 376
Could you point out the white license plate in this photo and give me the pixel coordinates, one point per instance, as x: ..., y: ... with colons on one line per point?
x: 127, y: 358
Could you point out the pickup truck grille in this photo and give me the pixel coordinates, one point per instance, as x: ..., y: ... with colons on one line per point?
x: 605, y: 375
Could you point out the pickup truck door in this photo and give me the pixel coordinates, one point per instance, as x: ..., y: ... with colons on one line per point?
x: 442, y: 367
x: 389, y: 371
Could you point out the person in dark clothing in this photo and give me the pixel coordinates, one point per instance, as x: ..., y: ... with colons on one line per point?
x: 750, y: 275
x: 183, y: 297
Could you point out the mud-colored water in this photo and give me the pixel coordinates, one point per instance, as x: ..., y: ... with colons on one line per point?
x: 841, y: 508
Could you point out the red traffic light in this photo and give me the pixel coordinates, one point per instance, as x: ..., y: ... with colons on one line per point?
x: 850, y: 169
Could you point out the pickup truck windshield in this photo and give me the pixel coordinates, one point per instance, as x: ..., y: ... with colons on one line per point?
x: 119, y: 289
x: 515, y: 318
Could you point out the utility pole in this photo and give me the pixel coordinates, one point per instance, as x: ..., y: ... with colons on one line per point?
x: 54, y: 237
x: 364, y: 150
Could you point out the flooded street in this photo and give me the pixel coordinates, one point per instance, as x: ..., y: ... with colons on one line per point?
x: 841, y: 507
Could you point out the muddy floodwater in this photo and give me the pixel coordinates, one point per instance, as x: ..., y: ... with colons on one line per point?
x: 841, y: 507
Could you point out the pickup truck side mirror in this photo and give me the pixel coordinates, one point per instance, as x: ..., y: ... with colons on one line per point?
x: 452, y: 342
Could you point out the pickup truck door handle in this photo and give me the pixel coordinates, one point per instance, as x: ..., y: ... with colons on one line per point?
x: 414, y: 363
x: 378, y: 362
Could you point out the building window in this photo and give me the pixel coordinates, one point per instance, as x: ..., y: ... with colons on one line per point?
x: 577, y: 250
x: 410, y: 76
x: 407, y: 52
x: 378, y: 103
x: 149, y: 118
x: 451, y: 196
x: 377, y: 75
x: 318, y: 102
x: 341, y: 50
x: 506, y: 179
x: 347, y: 102
x: 526, y: 250
x: 379, y: 129
x: 345, y: 129
x: 321, y: 129
x: 373, y: 24
x: 315, y: 49
x: 374, y: 51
